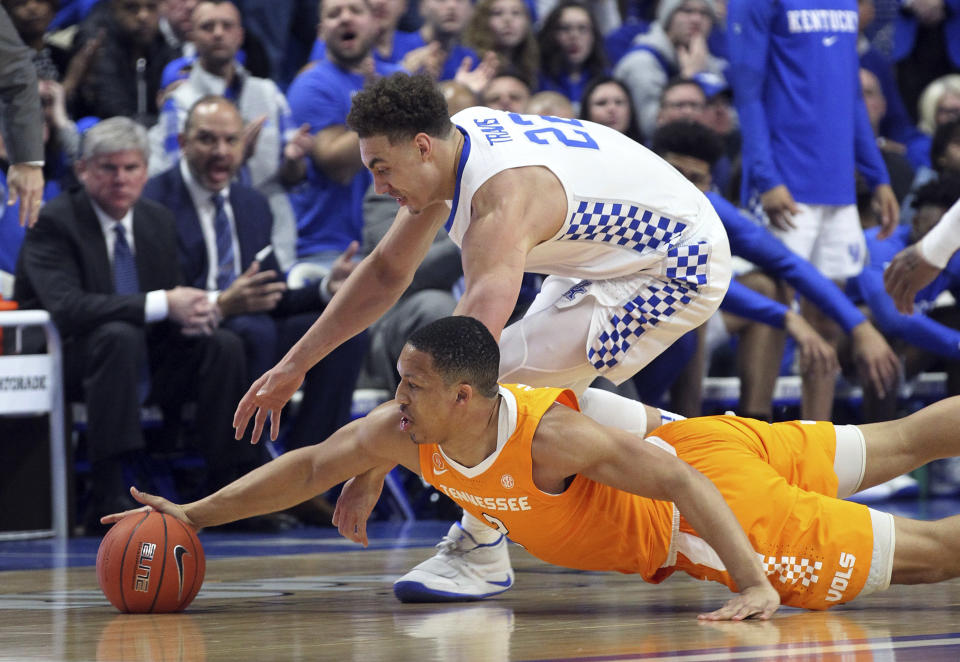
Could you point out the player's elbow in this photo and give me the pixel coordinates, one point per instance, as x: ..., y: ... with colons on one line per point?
x: 389, y: 275
x: 682, y: 483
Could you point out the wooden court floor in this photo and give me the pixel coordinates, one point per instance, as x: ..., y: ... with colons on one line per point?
x: 336, y: 603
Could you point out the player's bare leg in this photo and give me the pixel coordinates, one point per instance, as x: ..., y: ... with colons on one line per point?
x: 896, y: 447
x: 925, y: 552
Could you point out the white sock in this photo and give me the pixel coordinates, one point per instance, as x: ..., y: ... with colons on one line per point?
x: 482, y: 533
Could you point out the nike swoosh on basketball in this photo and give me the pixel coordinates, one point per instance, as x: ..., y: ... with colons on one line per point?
x: 829, y: 41
x: 178, y: 553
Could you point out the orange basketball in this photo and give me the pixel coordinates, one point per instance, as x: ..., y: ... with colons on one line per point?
x: 150, y: 562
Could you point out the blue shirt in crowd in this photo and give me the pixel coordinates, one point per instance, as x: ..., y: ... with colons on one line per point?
x: 329, y: 215
x: 916, y: 329
x: 403, y: 43
x: 794, y: 69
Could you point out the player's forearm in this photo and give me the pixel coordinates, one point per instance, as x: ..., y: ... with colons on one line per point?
x: 290, y: 479
x: 361, y: 300
x: 277, y: 485
x: 701, y: 503
x: 491, y: 299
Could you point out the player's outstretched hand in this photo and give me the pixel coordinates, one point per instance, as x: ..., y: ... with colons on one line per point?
x: 907, y: 274
x: 354, y: 505
x: 150, y: 502
x: 754, y: 602
x: 266, y: 397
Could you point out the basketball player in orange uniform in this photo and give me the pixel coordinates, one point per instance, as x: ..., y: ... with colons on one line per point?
x: 745, y: 503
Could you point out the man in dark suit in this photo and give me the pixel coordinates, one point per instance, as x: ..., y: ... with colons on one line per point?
x: 224, y: 231
x: 104, y: 263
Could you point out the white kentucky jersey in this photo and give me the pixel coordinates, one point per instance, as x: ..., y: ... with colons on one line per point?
x: 627, y: 209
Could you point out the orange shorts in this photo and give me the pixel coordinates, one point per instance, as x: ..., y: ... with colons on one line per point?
x: 780, y: 482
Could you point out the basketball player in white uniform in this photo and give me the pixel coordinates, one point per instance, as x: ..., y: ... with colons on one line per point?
x: 635, y: 257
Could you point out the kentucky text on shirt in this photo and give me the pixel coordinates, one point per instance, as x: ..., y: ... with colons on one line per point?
x: 822, y: 20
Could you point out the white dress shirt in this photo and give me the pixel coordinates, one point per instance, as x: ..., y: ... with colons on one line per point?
x: 155, y: 308
x: 206, y: 211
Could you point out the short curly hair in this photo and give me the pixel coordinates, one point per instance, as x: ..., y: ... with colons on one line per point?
x: 463, y: 351
x: 399, y: 107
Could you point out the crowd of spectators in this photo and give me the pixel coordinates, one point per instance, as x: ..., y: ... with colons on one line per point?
x: 204, y: 145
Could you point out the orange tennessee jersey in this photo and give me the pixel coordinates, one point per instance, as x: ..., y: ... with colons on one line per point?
x: 589, y: 526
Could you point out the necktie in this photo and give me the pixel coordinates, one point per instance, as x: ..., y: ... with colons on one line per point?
x: 226, y: 271
x: 124, y: 266
x: 126, y: 282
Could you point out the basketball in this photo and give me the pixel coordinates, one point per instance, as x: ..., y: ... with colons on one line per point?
x: 150, y: 562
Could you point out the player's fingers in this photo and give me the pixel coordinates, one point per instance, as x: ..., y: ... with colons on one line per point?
x: 342, y: 524
x: 116, y: 517
x: 243, y: 413
x: 258, y: 420
x: 721, y: 614
x: 349, y: 526
x: 362, y: 532
x: 745, y: 612
x: 274, y: 424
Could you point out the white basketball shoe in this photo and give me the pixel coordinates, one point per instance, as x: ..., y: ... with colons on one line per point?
x: 461, y: 570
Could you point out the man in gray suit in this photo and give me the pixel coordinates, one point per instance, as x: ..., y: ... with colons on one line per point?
x: 21, y: 121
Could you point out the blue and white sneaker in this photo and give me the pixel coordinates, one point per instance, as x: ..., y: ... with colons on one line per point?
x: 945, y: 477
x: 899, y: 487
x: 461, y: 570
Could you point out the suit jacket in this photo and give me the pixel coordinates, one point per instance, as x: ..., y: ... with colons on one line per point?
x: 64, y: 268
x: 22, y: 118
x: 254, y: 225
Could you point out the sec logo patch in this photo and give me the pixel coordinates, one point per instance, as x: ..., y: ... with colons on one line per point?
x: 439, y: 467
x: 507, y: 481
